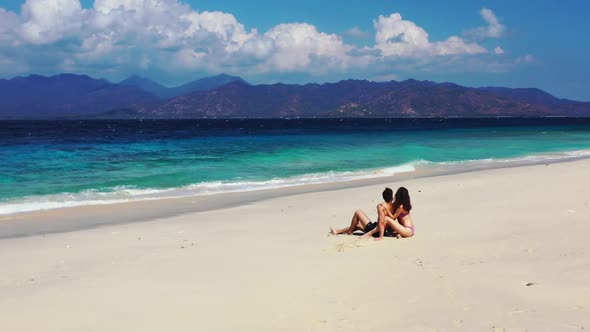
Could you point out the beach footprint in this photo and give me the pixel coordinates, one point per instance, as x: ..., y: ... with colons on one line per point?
x: 504, y: 329
x: 519, y: 311
x: 351, y: 242
x: 572, y: 308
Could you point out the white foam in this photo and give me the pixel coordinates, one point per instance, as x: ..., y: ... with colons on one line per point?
x: 530, y: 159
x: 126, y: 193
x: 12, y: 208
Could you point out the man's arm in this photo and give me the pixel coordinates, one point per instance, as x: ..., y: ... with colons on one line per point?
x: 383, y: 212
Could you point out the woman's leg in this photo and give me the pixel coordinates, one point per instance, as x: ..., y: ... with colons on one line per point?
x: 359, y: 222
x: 399, y: 228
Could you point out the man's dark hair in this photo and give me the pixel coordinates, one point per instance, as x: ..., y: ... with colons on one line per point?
x: 388, y: 195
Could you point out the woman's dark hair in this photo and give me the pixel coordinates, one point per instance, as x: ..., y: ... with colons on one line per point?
x: 388, y: 195
x: 402, y: 197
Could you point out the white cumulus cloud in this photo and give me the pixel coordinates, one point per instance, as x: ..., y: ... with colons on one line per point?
x: 8, y: 22
x: 167, y: 35
x: 296, y: 46
x: 116, y: 38
x: 356, y: 32
x: 398, y: 37
x: 46, y: 21
x: 494, y: 29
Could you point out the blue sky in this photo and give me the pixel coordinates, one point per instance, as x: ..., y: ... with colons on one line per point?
x: 474, y: 43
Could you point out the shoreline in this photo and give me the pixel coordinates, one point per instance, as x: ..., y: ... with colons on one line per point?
x: 67, y: 219
x: 147, y: 168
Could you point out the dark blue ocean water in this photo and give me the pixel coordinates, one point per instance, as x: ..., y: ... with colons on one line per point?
x: 45, y: 164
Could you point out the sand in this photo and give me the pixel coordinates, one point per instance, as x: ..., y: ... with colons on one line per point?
x: 495, y: 250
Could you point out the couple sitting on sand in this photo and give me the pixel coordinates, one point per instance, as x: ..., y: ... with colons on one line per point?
x: 394, y: 217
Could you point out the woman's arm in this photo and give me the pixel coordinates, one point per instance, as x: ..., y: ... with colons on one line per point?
x: 387, y: 212
x: 399, y: 211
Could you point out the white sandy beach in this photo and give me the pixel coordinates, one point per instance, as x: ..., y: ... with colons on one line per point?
x: 495, y: 250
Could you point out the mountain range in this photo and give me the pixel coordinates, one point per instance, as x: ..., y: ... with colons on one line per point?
x: 224, y: 96
x: 80, y: 96
x: 162, y: 92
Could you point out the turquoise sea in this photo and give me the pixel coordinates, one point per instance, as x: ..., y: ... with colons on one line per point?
x: 51, y: 164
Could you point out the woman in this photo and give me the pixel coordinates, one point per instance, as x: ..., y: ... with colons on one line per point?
x: 400, y: 221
